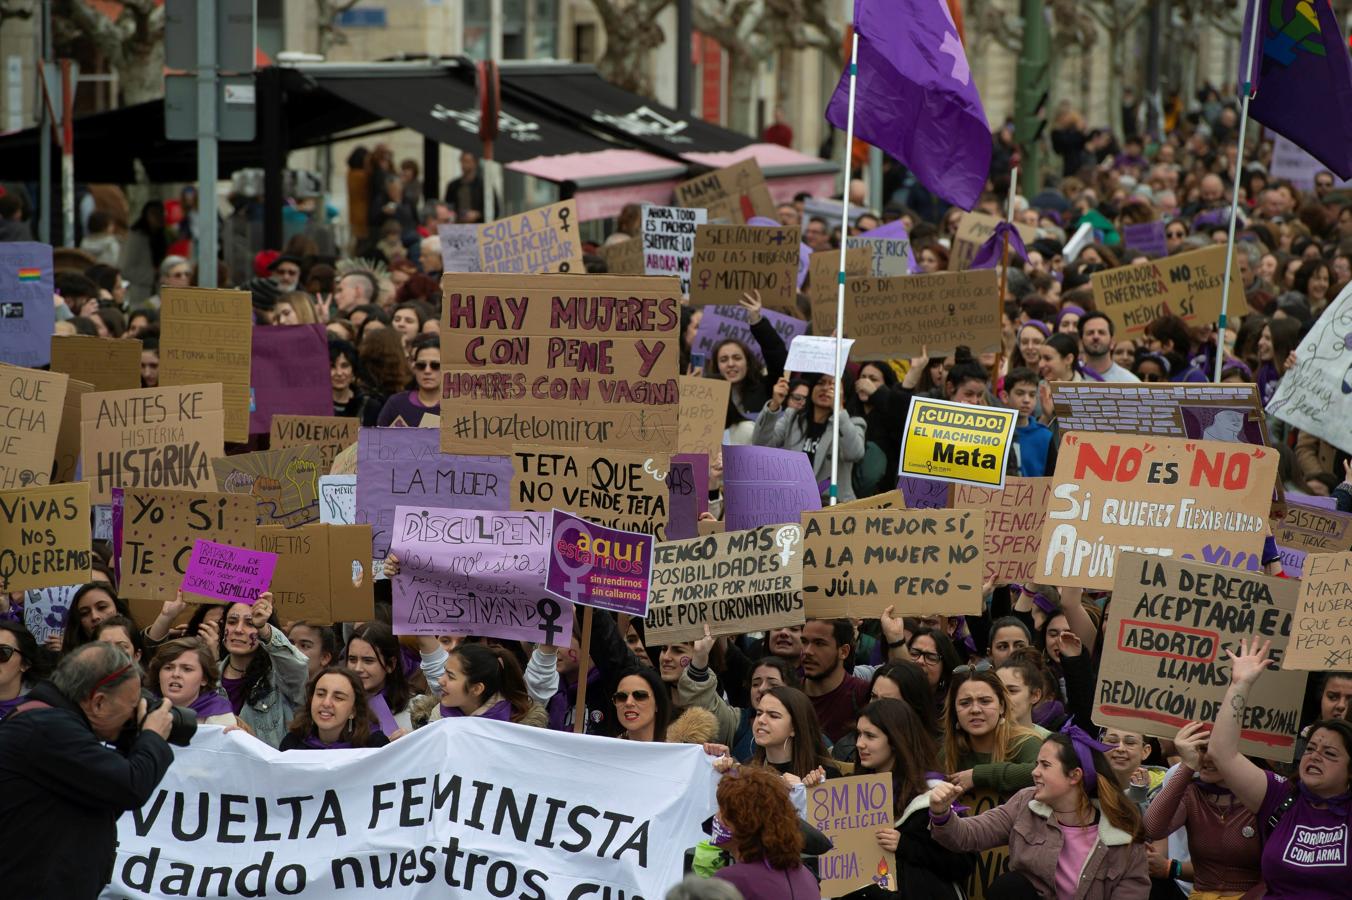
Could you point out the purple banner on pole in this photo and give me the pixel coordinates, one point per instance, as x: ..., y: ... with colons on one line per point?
x: 225, y: 572
x: 405, y: 467
x: 472, y: 572
x: 688, y: 486
x: 27, y: 316
x: 289, y: 374
x: 720, y: 323
x: 923, y: 493
x: 596, y: 566
x: 1146, y: 237
x: 766, y: 486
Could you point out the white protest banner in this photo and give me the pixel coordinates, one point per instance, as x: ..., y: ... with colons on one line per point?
x: 1314, y: 396
x: 482, y: 807
x: 669, y: 240
x: 809, y: 353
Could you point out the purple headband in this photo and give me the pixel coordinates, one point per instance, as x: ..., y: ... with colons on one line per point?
x: 1083, y: 744
x: 1039, y: 325
x: 1069, y: 308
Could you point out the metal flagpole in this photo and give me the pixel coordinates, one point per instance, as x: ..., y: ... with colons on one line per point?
x: 1246, y: 88
x: 837, y: 403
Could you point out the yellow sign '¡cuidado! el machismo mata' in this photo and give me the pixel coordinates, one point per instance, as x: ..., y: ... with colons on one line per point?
x: 946, y: 441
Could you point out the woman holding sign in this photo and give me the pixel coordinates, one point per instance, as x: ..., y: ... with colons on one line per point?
x: 733, y: 362
x: 1304, y: 824
x: 809, y: 430
x: 263, y: 673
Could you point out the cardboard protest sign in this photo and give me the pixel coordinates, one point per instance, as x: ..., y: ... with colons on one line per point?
x: 405, y: 467
x: 44, y: 536
x: 559, y: 360
x: 1168, y: 496
x: 232, y: 574
x: 1165, y: 664
x: 1313, y: 395
x: 683, y: 499
x: 1312, y: 530
x: 45, y: 610
x: 338, y: 499
x: 810, y: 353
x: 151, y: 437
x: 106, y: 363
x: 858, y: 563
x: 990, y: 864
x: 476, y: 573
x: 728, y: 323
x: 323, y: 572
x: 459, y: 247
x: 974, y: 229
x: 704, y: 410
x: 850, y: 811
x: 946, y: 441
x: 611, y: 488
x: 206, y: 335
x: 1187, y: 285
x: 30, y: 423
x: 284, y: 483
x: 897, y: 317
x: 289, y: 371
x: 1146, y: 237
x: 591, y: 565
x: 767, y: 486
x: 890, y: 257
x: 732, y: 582
x: 331, y: 434
x: 668, y: 240
x: 732, y: 260
x: 1015, y: 516
x: 922, y: 493
x: 68, y: 436
x: 159, y: 529
x: 822, y: 289
x: 533, y: 242
x: 1321, y: 640
x: 27, y: 313
x: 732, y: 194
x: 1212, y: 412
x: 623, y: 257
x: 888, y: 500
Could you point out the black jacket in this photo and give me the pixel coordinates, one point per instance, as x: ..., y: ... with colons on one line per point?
x: 61, y: 793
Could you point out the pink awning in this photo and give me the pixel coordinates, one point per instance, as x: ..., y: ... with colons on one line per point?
x: 608, y: 179
x: 787, y: 172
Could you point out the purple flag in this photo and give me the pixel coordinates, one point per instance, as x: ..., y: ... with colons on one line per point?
x: 915, y: 98
x: 989, y: 254
x: 1301, y: 78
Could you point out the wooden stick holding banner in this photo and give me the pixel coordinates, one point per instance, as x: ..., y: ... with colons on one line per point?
x: 583, y: 664
x: 1004, y: 260
x: 837, y: 403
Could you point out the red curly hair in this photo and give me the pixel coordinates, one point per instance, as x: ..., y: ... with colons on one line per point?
x: 754, y: 803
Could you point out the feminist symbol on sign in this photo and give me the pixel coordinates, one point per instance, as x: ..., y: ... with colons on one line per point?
x: 563, y: 217
x: 573, y: 574
x: 549, y: 611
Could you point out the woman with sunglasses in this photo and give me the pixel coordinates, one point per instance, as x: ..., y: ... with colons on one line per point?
x: 409, y: 407
x: 789, y: 739
x: 22, y: 665
x: 1305, y: 823
x: 335, y: 715
x: 642, y: 706
x: 1073, y: 834
x: 810, y: 430
x: 984, y: 747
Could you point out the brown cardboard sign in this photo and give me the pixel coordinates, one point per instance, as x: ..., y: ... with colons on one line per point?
x: 30, y: 422
x: 323, y: 572
x: 108, y: 364
x: 331, y: 434
x: 68, y: 437
x: 974, y: 229
x: 1212, y: 412
x: 704, y: 411
x: 1187, y: 285
x: 823, y: 272
x: 159, y: 529
x: 206, y: 335
x: 623, y: 257
x: 888, y: 500
x: 732, y: 194
x: 858, y: 563
x: 896, y: 317
x: 1183, y: 498
x: 732, y: 260
x: 284, y: 483
x: 1015, y: 517
x: 44, y: 536
x: 559, y: 360
x: 158, y: 437
x: 533, y: 242
x: 1312, y: 530
x: 850, y: 811
x: 1165, y: 663
x: 609, y: 487
x: 733, y: 582
x: 1321, y: 640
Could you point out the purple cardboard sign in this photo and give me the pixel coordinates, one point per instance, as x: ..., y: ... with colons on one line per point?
x: 1146, y: 237
x: 767, y: 486
x: 289, y: 373
x: 1293, y: 561
x: 923, y: 493
x: 464, y: 571
x: 596, y: 566
x: 405, y: 467
x: 895, y: 231
x: 720, y: 323
x: 27, y: 316
x: 225, y: 572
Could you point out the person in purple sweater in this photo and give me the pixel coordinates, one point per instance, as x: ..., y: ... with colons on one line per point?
x: 407, y: 408
x: 758, y: 826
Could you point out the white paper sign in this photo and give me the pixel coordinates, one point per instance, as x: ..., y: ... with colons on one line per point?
x: 459, y: 247
x: 669, y: 240
x: 810, y: 353
x: 1316, y: 395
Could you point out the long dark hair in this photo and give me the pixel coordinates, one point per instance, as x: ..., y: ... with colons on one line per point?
x: 358, y: 731
x: 915, y: 691
x: 787, y: 673
x: 258, y: 677
x: 913, y: 752
x: 951, y: 660
x: 39, y: 659
x: 661, y: 694
x: 852, y: 404
x: 808, y: 749
x: 752, y: 382
x: 386, y: 646
x: 73, y: 636
x: 498, y: 671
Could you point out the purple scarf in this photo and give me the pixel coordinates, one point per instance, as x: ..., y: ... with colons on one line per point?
x: 8, y: 706
x: 314, y: 743
x: 1048, y: 711
x: 502, y: 711
x: 564, y: 700
x: 210, y: 703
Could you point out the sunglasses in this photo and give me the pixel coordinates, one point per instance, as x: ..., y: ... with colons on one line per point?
x: 7, y: 652
x: 623, y: 696
x: 423, y: 366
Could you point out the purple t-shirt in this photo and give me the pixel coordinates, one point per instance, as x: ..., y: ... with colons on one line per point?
x: 757, y: 881
x: 405, y: 408
x: 1306, y: 855
x: 234, y: 689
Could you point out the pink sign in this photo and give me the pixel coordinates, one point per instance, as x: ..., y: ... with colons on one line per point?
x: 225, y: 572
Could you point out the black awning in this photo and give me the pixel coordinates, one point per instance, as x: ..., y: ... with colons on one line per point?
x: 632, y: 119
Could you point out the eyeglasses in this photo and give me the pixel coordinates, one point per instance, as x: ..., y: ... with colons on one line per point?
x: 424, y: 365
x: 1176, y: 234
x: 798, y: 398
x: 7, y: 652
x: 623, y: 696
x: 932, y: 658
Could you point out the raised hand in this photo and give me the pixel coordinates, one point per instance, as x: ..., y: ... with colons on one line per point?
x: 1251, y: 662
x: 751, y: 302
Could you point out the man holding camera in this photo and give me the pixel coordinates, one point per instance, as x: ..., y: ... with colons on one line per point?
x: 62, y: 788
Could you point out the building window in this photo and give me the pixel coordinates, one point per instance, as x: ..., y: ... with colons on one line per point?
x: 584, y: 42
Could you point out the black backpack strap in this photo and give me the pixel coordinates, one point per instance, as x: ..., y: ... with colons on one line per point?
x: 1275, y: 819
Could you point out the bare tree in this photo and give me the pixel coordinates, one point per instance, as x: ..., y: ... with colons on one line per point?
x: 632, y: 33
x: 1117, y: 18
x: 132, y: 42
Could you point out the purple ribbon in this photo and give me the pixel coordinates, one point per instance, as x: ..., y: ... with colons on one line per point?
x: 990, y: 253
x: 314, y: 743
x: 1040, y: 600
x: 381, y: 710
x: 1083, y: 744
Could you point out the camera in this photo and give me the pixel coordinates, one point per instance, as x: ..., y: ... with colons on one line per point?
x: 184, y: 719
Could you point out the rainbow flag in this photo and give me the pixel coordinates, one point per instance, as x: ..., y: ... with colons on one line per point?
x: 30, y: 274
